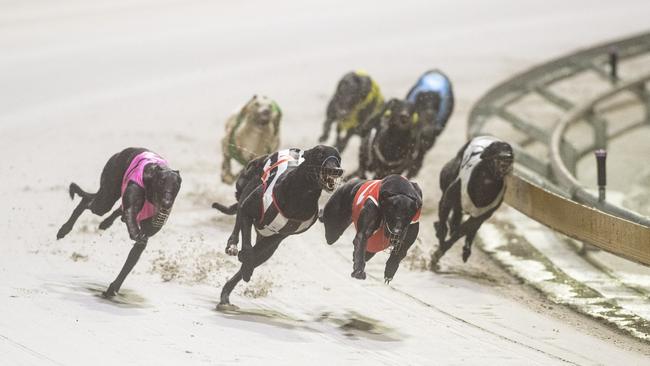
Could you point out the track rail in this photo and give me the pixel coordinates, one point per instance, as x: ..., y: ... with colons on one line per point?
x: 561, y: 94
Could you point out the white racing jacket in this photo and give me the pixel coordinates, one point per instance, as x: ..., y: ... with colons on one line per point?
x: 273, y: 220
x: 471, y: 158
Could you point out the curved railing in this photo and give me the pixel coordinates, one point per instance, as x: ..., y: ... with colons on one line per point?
x: 544, y: 185
x: 561, y: 172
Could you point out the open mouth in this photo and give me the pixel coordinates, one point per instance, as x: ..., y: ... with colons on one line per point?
x: 331, y: 178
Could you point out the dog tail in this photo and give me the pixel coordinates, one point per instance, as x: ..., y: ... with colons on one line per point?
x: 228, y: 210
x: 75, y: 189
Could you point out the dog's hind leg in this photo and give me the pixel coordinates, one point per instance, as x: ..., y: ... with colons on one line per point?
x: 228, y: 210
x: 81, y: 207
x: 262, y: 251
x: 470, y: 228
x: 131, y: 260
x: 75, y: 189
x: 109, y: 220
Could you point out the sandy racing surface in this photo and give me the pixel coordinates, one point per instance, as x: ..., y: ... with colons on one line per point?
x: 82, y: 81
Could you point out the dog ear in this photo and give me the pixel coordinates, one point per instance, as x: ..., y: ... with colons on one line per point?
x: 418, y: 190
x: 384, y: 196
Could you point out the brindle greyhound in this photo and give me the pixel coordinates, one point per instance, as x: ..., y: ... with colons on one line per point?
x: 472, y: 183
x: 278, y: 195
x: 433, y: 98
x: 391, y: 142
x: 148, y: 188
x: 384, y: 212
x: 357, y: 98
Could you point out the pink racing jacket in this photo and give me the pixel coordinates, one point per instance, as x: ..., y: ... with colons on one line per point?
x: 134, y: 174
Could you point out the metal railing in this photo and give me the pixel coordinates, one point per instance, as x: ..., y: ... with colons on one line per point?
x: 565, y: 178
x: 544, y: 185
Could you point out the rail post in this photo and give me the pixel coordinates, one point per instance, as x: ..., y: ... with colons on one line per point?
x: 613, y: 64
x: 601, y: 158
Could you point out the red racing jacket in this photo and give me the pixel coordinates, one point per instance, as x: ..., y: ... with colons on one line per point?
x: 370, y: 191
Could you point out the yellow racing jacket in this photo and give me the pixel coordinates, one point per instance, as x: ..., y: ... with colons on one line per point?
x: 374, y: 96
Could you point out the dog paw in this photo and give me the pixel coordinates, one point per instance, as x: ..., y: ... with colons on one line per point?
x: 63, y: 231
x: 105, y: 224
x: 228, y: 178
x: 387, y: 280
x: 231, y: 249
x: 111, y: 291
x: 435, y: 258
x: 359, y: 275
x: 466, y: 253
x: 226, y: 307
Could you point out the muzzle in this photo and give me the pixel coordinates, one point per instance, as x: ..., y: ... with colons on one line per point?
x: 329, y: 178
x: 394, y: 238
x: 161, y: 217
x: 503, y: 164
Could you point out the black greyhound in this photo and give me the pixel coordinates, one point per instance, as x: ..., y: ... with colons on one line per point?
x: 385, y: 213
x: 278, y: 195
x: 391, y: 142
x: 148, y: 189
x: 356, y: 99
x: 433, y: 98
x: 472, y: 183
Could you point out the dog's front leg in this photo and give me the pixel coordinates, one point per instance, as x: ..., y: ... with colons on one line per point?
x: 358, y: 256
x: 131, y: 261
x: 369, y: 221
x: 450, y: 200
x: 396, y: 256
x: 416, y: 165
x: 110, y: 219
x: 471, y: 228
x: 327, y: 126
x: 233, y: 239
x: 133, y: 201
x: 342, y: 141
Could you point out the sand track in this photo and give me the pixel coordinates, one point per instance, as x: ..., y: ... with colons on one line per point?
x: 83, y: 80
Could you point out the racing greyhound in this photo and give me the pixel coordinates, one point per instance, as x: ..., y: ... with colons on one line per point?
x: 385, y: 214
x: 278, y: 195
x: 148, y: 188
x: 472, y: 183
x: 357, y: 98
x: 391, y: 143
